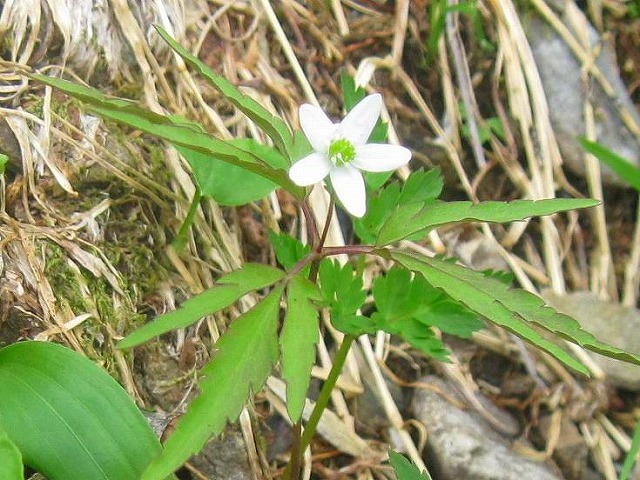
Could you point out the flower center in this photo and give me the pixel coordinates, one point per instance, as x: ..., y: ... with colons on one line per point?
x: 341, y: 152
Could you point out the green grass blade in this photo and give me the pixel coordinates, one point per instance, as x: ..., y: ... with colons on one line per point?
x: 632, y: 454
x: 615, y: 162
x: 273, y: 126
x: 420, y: 218
x: 244, y: 357
x: 10, y: 458
x: 69, y: 418
x: 298, y: 342
x: 228, y: 289
x: 512, y: 309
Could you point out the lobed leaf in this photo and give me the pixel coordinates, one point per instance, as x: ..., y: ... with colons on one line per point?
x: 228, y: 289
x: 342, y: 291
x: 405, y: 470
x: 273, y: 126
x: 409, y: 307
x: 298, y: 341
x: 69, y: 418
x: 288, y: 250
x: 512, y: 309
x: 416, y: 218
x: 244, y: 357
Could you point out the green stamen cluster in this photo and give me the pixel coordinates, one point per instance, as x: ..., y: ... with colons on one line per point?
x: 341, y: 152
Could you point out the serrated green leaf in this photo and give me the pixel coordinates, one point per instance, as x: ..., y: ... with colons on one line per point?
x: 409, y: 307
x: 288, y: 250
x: 70, y: 419
x: 244, y: 358
x: 11, y: 467
x: 227, y: 290
x: 171, y: 130
x: 273, y: 126
x: 298, y: 341
x: 512, y: 309
x: 420, y: 218
x: 405, y: 470
x: 419, y: 187
x: 342, y: 290
x: 625, y: 170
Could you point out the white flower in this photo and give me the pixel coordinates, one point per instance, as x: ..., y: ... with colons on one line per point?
x: 341, y: 151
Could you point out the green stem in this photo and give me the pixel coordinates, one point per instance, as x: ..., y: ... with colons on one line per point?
x: 181, y: 239
x: 325, y: 393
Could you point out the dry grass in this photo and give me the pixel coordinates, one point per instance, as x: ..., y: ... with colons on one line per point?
x: 87, y: 211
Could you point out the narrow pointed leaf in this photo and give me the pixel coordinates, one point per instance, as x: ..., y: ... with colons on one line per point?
x: 244, y: 357
x: 228, y: 289
x: 625, y: 169
x: 273, y: 126
x: 10, y: 459
x: 413, y: 218
x: 173, y: 130
x: 69, y: 418
x: 298, y: 342
x: 512, y: 309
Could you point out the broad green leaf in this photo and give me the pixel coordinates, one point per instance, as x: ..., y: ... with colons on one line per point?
x: 70, y: 419
x: 229, y: 184
x: 405, y: 470
x: 419, y: 187
x: 515, y: 310
x: 420, y: 218
x: 342, y: 291
x: 244, y: 357
x: 628, y: 172
x: 288, y: 250
x: 298, y: 341
x: 273, y: 126
x: 228, y: 289
x: 171, y: 130
x: 3, y: 162
x: 409, y: 307
x: 11, y: 467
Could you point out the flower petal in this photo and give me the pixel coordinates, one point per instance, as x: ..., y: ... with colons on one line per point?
x: 349, y: 187
x: 359, y: 122
x: 309, y: 170
x: 380, y: 158
x: 317, y: 127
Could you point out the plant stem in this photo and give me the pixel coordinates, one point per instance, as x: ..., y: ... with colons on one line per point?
x: 181, y: 239
x: 325, y: 393
x: 312, y: 224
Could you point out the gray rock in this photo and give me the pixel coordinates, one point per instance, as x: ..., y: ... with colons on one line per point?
x: 565, y: 92
x: 462, y: 445
x: 609, y: 322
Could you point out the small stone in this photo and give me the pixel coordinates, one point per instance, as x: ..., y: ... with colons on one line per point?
x: 461, y: 444
x: 566, y: 93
